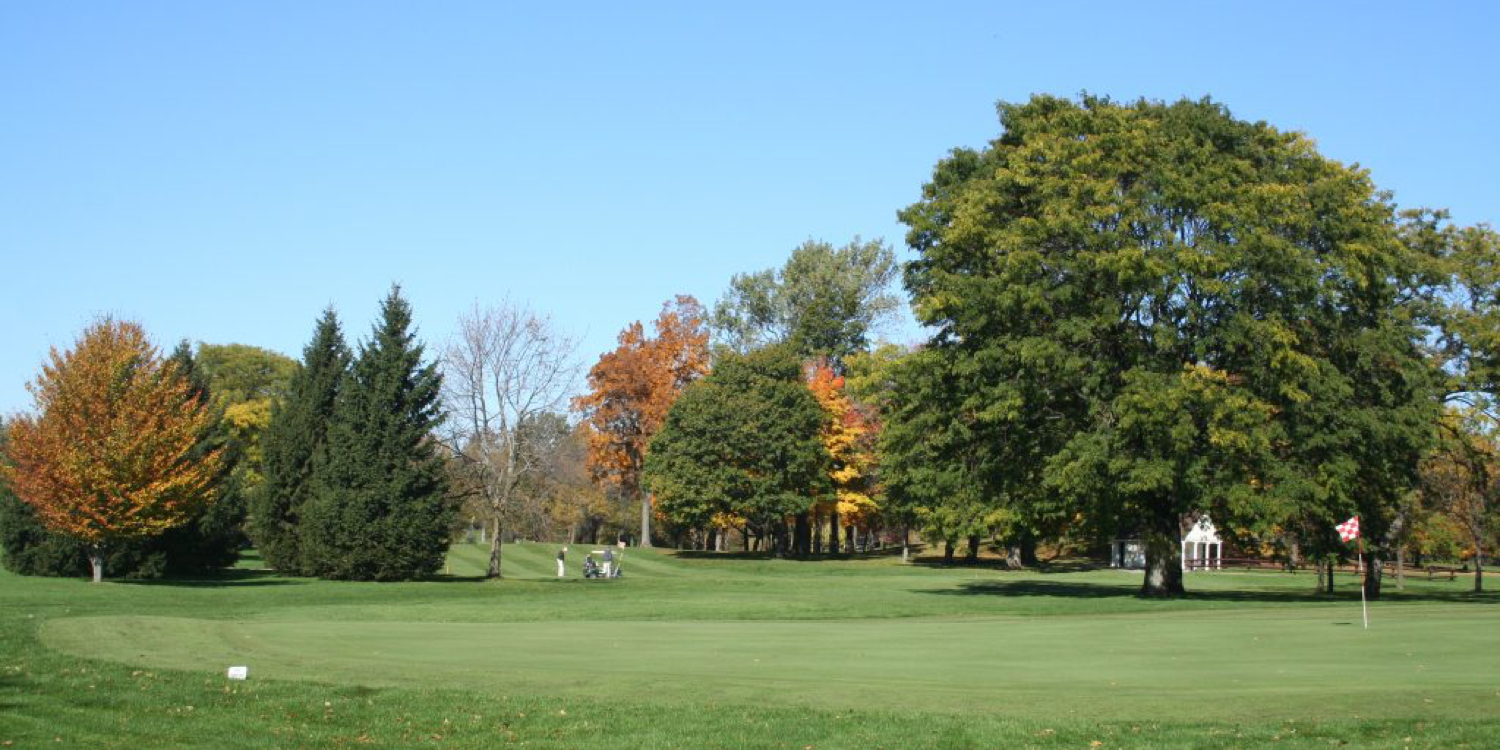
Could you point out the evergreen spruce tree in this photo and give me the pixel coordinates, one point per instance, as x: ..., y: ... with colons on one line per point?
x: 379, y: 509
x: 293, y: 441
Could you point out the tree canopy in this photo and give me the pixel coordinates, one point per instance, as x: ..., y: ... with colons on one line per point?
x: 295, y: 440
x: 743, y: 441
x: 1157, y: 310
x: 631, y: 390
x: 114, y: 450
x: 379, y: 509
x: 824, y: 302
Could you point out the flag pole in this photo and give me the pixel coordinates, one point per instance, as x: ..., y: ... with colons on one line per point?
x: 1364, y: 607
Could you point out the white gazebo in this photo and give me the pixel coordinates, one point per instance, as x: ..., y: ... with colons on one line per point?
x: 1202, y: 549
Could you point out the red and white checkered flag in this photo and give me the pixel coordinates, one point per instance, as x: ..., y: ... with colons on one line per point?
x: 1349, y: 529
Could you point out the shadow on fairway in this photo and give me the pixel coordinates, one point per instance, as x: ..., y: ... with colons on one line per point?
x: 10, y: 687
x: 995, y: 563
x: 874, y: 554
x: 229, y: 578
x: 241, y: 578
x: 1084, y: 590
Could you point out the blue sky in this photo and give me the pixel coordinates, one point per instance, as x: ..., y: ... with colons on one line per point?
x: 222, y: 171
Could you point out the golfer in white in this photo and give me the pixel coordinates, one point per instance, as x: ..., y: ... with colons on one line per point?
x: 562, y: 572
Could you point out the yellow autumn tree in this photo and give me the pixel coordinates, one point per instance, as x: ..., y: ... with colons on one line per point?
x: 112, y: 452
x: 847, y: 436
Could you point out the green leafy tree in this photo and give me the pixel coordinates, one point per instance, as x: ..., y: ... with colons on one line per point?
x: 379, y: 508
x: 1151, y: 310
x: 824, y: 302
x: 246, y: 382
x: 742, y: 441
x: 240, y: 373
x: 295, y: 438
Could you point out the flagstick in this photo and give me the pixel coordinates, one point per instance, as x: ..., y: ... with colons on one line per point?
x: 1364, y: 607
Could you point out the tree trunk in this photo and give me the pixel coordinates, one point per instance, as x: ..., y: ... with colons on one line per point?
x: 494, y: 569
x: 1163, y: 557
x: 973, y: 554
x: 645, y: 520
x: 802, y: 535
x: 1028, y: 549
x: 1293, y: 553
x: 834, y: 529
x: 1478, y: 569
x: 1332, y: 562
x: 905, y: 544
x: 947, y: 551
x: 96, y: 561
x: 1400, y: 567
x: 849, y: 539
x: 1373, y: 565
x: 778, y: 538
x: 817, y: 534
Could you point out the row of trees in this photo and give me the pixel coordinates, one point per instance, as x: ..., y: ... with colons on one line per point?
x: 1141, y: 312
x: 758, y: 434
x: 148, y: 463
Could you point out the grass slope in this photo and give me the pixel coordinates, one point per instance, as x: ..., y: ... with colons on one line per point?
x: 695, y: 651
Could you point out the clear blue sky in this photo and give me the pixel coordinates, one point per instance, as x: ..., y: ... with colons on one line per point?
x: 222, y: 171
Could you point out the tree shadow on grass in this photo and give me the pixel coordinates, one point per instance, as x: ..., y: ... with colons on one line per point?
x: 873, y: 554
x: 10, y: 686
x: 1084, y: 590
x: 1070, y: 565
x: 241, y: 578
x: 227, y: 578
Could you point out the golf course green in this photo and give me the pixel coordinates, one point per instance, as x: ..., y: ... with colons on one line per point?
x: 704, y: 650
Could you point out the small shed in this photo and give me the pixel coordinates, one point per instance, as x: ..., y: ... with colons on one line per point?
x: 1202, y: 549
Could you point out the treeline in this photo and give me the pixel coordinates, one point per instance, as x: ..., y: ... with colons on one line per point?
x: 1140, y: 313
x: 144, y: 465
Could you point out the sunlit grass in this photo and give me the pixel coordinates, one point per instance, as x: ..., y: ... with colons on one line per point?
x: 693, y: 651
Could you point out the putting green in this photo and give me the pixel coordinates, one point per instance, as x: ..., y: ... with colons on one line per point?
x: 1306, y: 661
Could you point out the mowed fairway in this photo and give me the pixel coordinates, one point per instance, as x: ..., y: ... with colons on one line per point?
x: 696, y: 651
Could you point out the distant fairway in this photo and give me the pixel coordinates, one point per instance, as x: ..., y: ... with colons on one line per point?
x: 961, y: 647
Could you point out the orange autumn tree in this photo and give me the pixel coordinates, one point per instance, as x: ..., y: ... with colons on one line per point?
x: 847, y: 435
x: 112, y: 451
x: 632, y: 388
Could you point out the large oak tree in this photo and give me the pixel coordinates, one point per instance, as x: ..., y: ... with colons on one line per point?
x: 1150, y: 310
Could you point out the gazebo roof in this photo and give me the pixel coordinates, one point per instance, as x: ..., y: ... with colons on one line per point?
x: 1203, y: 531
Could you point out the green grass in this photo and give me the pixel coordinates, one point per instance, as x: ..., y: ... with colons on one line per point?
x: 715, y: 651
